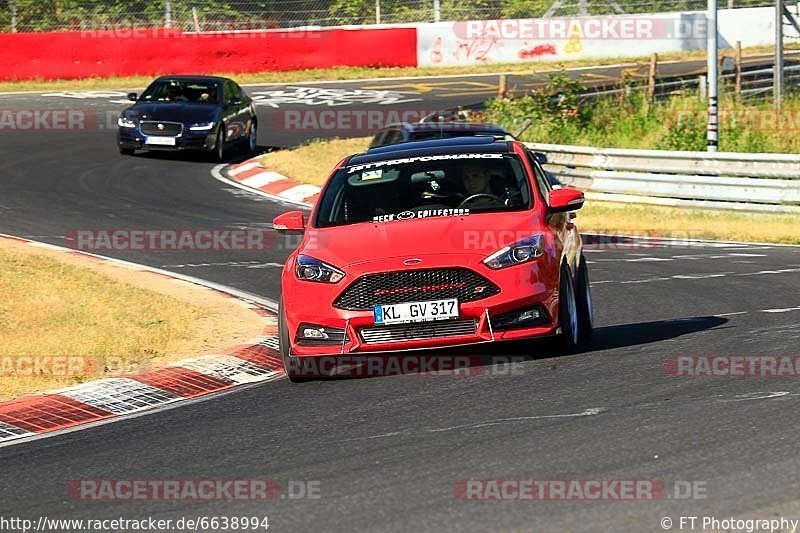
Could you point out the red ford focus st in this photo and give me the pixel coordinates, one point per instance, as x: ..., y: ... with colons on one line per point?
x: 432, y: 244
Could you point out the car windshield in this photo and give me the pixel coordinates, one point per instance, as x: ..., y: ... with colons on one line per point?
x: 426, y: 186
x: 186, y: 91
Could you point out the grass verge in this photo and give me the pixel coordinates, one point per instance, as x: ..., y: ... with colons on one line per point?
x: 348, y: 73
x: 96, y: 316
x: 688, y: 223
x: 312, y: 162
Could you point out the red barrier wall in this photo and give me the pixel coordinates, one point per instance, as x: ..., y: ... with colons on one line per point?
x: 70, y: 55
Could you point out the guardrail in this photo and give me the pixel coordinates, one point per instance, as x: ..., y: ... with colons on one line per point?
x: 730, y: 181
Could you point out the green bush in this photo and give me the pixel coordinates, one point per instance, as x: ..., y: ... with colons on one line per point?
x: 687, y: 132
x: 559, y: 116
x: 525, y: 8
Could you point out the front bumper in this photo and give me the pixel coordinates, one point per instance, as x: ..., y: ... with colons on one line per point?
x: 133, y: 138
x: 521, y: 287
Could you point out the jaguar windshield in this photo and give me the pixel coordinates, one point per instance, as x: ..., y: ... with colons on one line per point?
x: 185, y: 91
x: 436, y: 185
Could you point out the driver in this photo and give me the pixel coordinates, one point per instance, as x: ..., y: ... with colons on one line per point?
x: 478, y: 186
x: 174, y: 94
x: 476, y: 180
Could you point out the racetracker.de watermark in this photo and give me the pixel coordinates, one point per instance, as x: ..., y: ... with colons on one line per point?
x: 733, y: 366
x: 578, y: 490
x: 122, y: 490
x: 617, y: 240
x: 37, y: 119
x: 364, y: 366
x: 186, y: 239
x: 642, y: 239
x: 216, y: 29
x: 16, y: 366
x: 787, y: 120
x: 591, y: 28
x: 350, y: 119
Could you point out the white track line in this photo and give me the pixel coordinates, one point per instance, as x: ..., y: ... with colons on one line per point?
x: 216, y: 173
x: 263, y: 178
x: 244, y: 167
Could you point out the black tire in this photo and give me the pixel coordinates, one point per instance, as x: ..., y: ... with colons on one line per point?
x: 567, y: 312
x: 583, y: 299
x: 290, y: 364
x: 127, y: 151
x: 218, y: 154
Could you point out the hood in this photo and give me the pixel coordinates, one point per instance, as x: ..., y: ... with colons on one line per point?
x: 477, y: 234
x: 174, y: 112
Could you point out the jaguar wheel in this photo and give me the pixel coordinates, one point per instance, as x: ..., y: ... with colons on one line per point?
x: 219, y: 145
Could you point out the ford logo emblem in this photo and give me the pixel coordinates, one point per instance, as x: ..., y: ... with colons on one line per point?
x: 160, y: 127
x: 412, y: 261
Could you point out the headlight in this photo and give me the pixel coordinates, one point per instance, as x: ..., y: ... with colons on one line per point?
x: 310, y: 269
x: 522, y: 251
x: 202, y: 126
x: 125, y: 122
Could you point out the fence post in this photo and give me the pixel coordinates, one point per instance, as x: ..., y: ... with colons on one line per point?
x: 777, y: 77
x: 13, y: 16
x: 501, y: 87
x: 651, y: 78
x: 737, y: 88
x: 195, y: 20
x: 437, y: 10
x: 377, y: 11
x: 701, y: 82
x: 623, y: 88
x: 167, y: 13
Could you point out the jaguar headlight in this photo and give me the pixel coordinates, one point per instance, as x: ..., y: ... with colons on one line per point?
x: 202, y: 126
x: 125, y: 122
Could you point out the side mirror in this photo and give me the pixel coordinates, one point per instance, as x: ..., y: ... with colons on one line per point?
x: 565, y: 199
x: 133, y: 97
x: 540, y: 158
x: 291, y: 221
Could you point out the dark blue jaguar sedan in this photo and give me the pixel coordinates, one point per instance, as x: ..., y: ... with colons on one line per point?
x: 204, y: 113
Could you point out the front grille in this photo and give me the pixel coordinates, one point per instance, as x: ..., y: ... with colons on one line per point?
x: 422, y: 330
x: 170, y: 129
x: 415, y: 286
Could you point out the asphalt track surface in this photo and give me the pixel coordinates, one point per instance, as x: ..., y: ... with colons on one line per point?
x: 387, y: 451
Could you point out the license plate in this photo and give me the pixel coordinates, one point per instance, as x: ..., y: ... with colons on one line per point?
x: 416, y: 311
x: 163, y: 141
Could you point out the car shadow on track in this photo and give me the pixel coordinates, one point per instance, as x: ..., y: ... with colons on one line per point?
x: 611, y: 337
x: 232, y: 156
x: 471, y: 359
x: 623, y: 335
